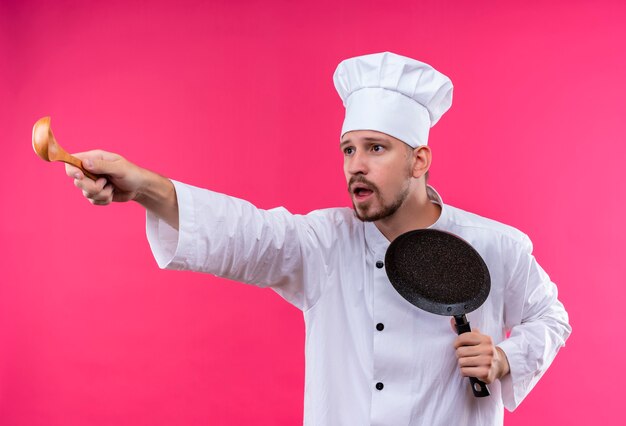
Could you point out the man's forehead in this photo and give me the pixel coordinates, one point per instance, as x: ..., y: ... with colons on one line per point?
x: 366, y: 136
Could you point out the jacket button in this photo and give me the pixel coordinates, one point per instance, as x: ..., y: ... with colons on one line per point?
x: 380, y: 326
x: 379, y: 386
x: 379, y: 264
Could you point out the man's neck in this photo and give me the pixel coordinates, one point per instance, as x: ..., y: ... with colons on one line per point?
x: 417, y: 212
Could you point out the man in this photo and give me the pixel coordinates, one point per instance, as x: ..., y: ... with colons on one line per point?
x: 371, y: 358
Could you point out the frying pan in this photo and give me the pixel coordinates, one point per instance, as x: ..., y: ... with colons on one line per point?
x: 441, y: 274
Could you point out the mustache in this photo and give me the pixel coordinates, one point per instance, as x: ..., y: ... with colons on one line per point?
x: 361, y: 179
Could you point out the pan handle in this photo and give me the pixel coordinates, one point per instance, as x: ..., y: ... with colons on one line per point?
x: 479, y: 388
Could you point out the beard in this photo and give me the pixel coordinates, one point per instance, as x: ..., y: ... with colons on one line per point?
x: 366, y: 213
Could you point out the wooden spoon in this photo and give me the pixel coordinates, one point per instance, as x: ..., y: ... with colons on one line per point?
x: 46, y: 146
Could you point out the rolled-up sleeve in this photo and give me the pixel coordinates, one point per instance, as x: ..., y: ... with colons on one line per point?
x: 173, y: 249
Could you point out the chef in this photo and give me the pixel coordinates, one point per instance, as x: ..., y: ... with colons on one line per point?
x: 371, y: 357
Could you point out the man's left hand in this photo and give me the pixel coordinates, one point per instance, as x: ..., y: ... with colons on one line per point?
x: 479, y: 357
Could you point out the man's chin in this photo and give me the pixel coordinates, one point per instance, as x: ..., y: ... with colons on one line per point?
x: 363, y: 218
x: 366, y: 216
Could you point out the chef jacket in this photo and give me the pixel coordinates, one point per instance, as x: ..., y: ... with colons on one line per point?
x: 372, y: 358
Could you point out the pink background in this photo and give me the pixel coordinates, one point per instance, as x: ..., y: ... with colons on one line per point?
x: 238, y: 97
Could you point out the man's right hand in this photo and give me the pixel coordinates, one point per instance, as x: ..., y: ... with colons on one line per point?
x: 120, y: 181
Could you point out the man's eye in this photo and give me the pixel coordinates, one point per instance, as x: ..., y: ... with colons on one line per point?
x: 348, y: 151
x: 377, y: 148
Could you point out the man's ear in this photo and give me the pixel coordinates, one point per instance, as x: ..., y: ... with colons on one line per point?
x: 422, y: 157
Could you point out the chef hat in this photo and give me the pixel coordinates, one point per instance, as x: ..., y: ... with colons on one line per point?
x: 392, y: 94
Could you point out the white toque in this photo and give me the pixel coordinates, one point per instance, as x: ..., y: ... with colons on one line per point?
x: 392, y: 94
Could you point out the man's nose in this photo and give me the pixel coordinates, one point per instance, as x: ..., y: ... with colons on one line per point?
x: 357, y: 164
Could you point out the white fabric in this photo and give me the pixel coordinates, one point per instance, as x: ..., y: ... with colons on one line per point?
x: 325, y: 264
x: 392, y: 94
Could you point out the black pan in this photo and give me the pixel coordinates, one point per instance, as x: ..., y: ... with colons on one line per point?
x: 441, y: 274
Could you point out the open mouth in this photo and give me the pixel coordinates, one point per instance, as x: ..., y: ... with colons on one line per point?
x: 361, y: 192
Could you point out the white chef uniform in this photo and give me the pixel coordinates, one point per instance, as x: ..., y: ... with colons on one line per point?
x: 371, y: 357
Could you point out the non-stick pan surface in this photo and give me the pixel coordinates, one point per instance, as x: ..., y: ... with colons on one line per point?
x: 437, y: 272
